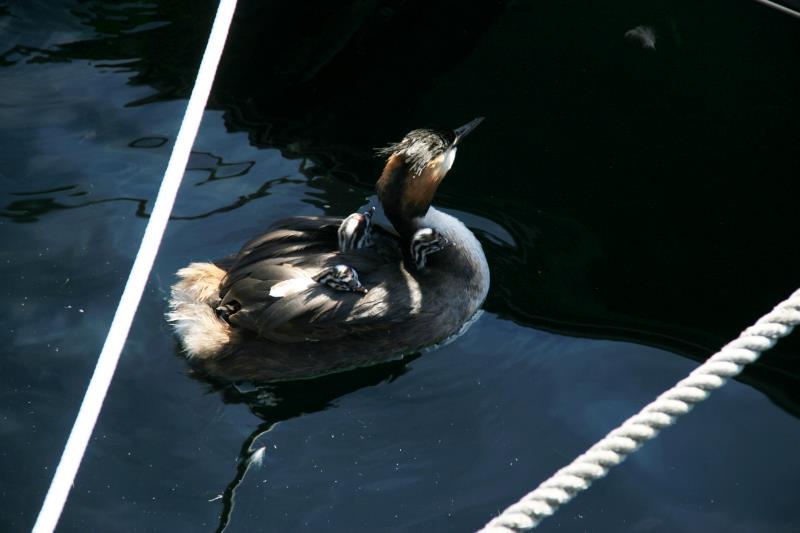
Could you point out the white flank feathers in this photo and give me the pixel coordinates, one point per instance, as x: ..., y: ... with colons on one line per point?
x: 290, y: 286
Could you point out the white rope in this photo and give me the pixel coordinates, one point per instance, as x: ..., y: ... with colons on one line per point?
x: 142, y: 265
x: 664, y: 411
x: 779, y: 7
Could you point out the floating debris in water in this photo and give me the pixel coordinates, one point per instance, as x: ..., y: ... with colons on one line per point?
x: 643, y: 36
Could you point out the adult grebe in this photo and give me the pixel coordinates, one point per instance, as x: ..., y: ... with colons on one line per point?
x: 316, y: 295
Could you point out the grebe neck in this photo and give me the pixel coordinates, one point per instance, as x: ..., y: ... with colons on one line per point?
x: 406, y: 195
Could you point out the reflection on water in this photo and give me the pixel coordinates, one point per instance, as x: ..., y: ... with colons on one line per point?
x: 217, y: 168
x: 261, y: 192
x: 31, y: 210
x: 149, y: 142
x: 283, y: 401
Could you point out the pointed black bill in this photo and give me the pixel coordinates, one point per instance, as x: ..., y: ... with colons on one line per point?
x: 465, y: 130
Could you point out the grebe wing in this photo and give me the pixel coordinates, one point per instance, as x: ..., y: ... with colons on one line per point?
x: 305, y: 236
x: 289, y: 237
x: 319, y: 312
x: 299, y: 248
x: 309, y: 242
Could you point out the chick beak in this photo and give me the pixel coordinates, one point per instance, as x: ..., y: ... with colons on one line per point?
x: 465, y: 130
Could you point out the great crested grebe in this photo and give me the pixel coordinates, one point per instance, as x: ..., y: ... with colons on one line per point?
x: 315, y: 295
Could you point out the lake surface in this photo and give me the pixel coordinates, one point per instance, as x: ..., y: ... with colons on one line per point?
x: 638, y: 208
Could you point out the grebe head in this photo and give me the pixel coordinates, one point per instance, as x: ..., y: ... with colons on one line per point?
x: 426, y: 241
x: 414, y: 169
x: 354, y: 232
x: 341, y: 278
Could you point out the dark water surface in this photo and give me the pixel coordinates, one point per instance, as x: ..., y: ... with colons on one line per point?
x: 638, y: 208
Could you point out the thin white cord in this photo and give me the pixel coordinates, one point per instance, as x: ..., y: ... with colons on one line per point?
x: 779, y: 7
x: 615, y: 447
x: 142, y: 265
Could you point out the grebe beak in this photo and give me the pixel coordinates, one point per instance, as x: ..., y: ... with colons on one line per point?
x: 465, y: 130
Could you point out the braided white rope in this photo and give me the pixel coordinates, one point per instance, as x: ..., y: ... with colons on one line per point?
x: 664, y: 411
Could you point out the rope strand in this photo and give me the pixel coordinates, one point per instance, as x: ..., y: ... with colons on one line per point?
x: 615, y: 447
